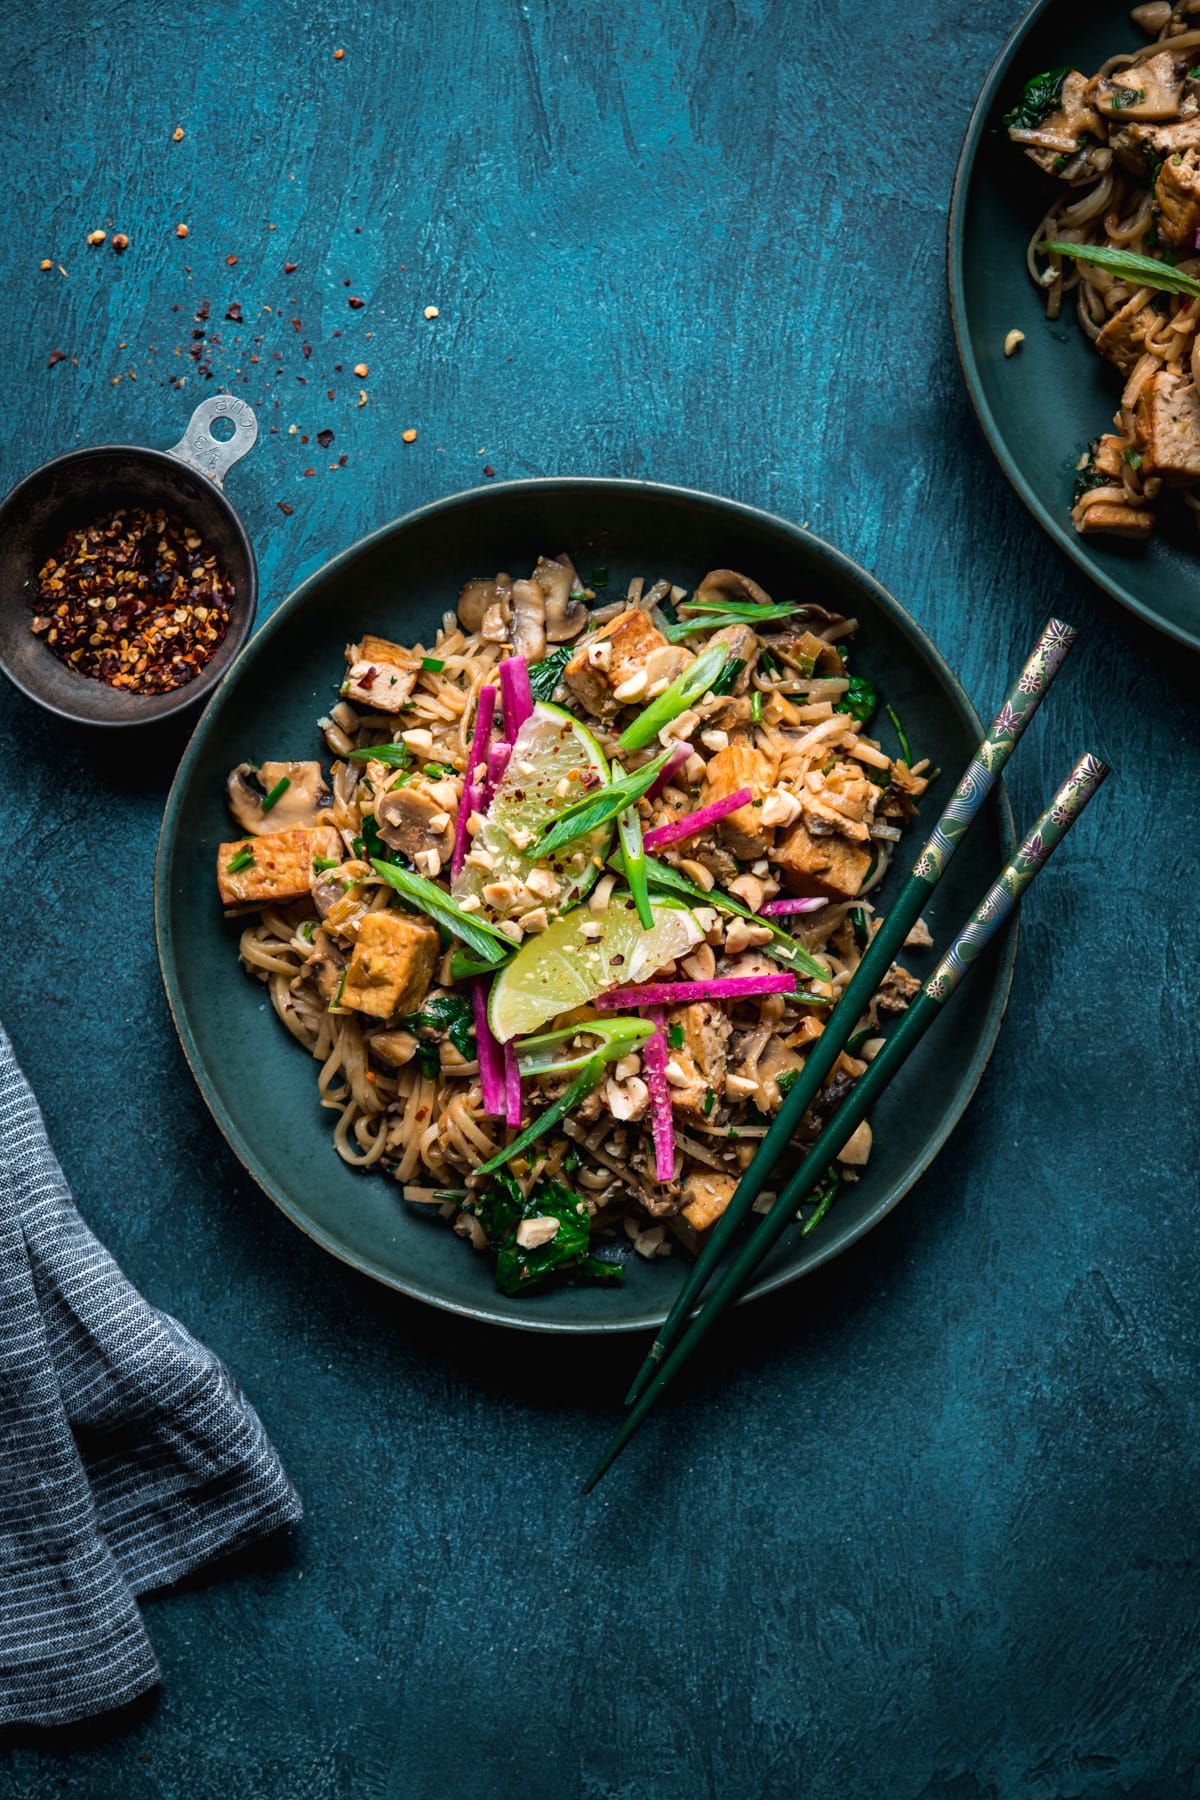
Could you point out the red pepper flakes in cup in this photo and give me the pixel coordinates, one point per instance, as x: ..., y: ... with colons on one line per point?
x: 134, y: 599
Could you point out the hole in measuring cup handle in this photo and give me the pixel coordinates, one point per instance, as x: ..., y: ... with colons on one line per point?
x: 214, y: 456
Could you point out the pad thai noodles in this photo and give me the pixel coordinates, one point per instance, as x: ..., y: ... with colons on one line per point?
x: 577, y: 889
x: 1120, y: 243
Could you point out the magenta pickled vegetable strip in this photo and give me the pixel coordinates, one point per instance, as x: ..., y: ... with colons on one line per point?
x: 689, y: 824
x: 516, y: 695
x: 512, y: 1085
x: 662, y: 1125
x: 677, y: 758
x: 497, y: 762
x: 791, y: 906
x: 472, y: 792
x: 679, y: 993
x: 491, y: 1058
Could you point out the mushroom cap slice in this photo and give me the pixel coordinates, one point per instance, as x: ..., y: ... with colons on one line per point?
x: 727, y: 584
x: 528, y: 620
x: 404, y: 816
x: 477, y: 598
x: 566, y: 613
x: 298, y: 805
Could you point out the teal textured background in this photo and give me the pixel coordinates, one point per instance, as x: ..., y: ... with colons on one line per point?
x: 923, y: 1526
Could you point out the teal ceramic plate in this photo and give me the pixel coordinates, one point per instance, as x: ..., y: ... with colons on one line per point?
x: 1041, y: 407
x: 260, y: 1085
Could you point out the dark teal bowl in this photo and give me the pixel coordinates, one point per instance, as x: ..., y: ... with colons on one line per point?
x: 260, y: 1085
x: 1041, y: 407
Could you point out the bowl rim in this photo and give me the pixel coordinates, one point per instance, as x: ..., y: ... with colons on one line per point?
x: 177, y: 700
x: 1067, y: 539
x: 245, y: 1153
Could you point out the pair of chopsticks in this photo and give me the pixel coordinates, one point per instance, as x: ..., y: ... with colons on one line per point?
x: 677, y: 1339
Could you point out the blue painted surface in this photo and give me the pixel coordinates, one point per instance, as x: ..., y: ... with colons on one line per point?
x: 924, y: 1526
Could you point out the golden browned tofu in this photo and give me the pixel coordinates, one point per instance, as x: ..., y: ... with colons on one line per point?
x: 1131, y: 144
x: 1123, y: 340
x: 1168, y: 427
x: 1177, y: 196
x: 830, y: 866
x: 705, y: 1197
x: 274, y: 866
x: 628, y: 648
x: 740, y: 765
x: 1117, y: 520
x: 392, y: 966
x: 381, y: 674
x: 696, y: 1067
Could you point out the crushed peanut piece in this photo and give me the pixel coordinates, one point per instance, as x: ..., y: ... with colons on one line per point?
x: 96, y: 237
x: 431, y: 312
x: 181, y: 231
x: 409, y: 436
x: 177, y: 135
x: 360, y: 369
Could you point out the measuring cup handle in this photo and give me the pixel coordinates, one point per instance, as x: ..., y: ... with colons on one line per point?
x: 215, y: 457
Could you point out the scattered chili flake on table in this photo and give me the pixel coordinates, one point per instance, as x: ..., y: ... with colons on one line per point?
x: 136, y: 599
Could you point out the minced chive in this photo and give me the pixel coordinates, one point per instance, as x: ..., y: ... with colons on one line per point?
x: 710, y: 1100
x: 599, y: 578
x: 434, y: 664
x: 242, y: 860
x: 393, y: 756
x: 756, y: 708
x: 306, y: 931
x: 1133, y: 457
x: 786, y: 1080
x: 277, y: 792
x: 675, y: 1037
x: 905, y: 748
x: 436, y: 771
x: 321, y: 863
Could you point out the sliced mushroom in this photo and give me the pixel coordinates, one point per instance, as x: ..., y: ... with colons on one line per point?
x: 326, y: 965
x: 727, y: 584
x: 393, y: 1048
x: 331, y: 885
x: 483, y: 601
x: 408, y: 822
x: 528, y: 620
x: 566, y: 614
x: 297, y: 806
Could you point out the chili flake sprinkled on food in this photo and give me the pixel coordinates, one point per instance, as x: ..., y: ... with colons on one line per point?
x: 135, y: 599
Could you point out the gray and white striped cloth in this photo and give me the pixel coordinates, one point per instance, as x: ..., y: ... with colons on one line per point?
x: 128, y: 1456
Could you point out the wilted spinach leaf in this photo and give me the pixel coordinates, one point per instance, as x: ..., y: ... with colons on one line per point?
x: 1039, y: 98
x: 545, y: 676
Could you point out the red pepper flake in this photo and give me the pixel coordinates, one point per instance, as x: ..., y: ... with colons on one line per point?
x: 56, y: 356
x: 296, y: 325
x: 231, y: 262
x: 289, y: 268
x: 488, y: 469
x: 304, y: 438
x: 365, y: 681
x: 338, y: 55
x: 355, y: 302
x: 329, y: 393
x: 285, y: 509
x: 307, y: 350
x: 310, y: 471
x: 135, y: 599
x: 325, y: 438
x: 342, y: 460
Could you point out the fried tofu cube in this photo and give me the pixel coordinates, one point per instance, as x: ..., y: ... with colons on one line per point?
x: 696, y: 1067
x: 705, y: 1197
x: 1123, y: 339
x: 829, y: 866
x: 1115, y: 520
x: 1167, y: 427
x: 740, y: 765
x: 627, y: 648
x: 279, y: 867
x: 381, y: 675
x: 392, y: 966
x: 1177, y: 196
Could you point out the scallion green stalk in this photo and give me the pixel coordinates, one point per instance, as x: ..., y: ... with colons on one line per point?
x: 629, y: 827
x: 693, y: 684
x: 587, y: 1078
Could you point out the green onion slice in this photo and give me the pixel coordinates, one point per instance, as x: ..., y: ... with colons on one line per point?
x: 539, y: 1055
x: 693, y: 684
x: 490, y: 945
x: 580, y: 1088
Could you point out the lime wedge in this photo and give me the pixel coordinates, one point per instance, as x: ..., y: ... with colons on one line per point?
x: 583, y: 954
x: 552, y: 750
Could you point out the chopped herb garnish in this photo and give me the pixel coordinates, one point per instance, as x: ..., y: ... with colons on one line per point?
x: 321, y: 863
x: 1128, y: 265
x: 1123, y: 98
x: 599, y: 578
x: 710, y: 1100
x: 1041, y: 95
x: 545, y: 676
x: 395, y: 756
x: 905, y: 748
x: 756, y: 708
x: 786, y: 1080
x: 1133, y: 457
x: 768, y: 661
x: 675, y: 1037
x: 727, y: 679
x: 277, y: 792
x: 434, y: 664
x: 824, y: 1194
x: 242, y: 860
x: 306, y: 930
x: 437, y: 771
x: 860, y: 699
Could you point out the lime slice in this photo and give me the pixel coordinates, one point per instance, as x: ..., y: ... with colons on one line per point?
x: 552, y: 749
x: 582, y: 955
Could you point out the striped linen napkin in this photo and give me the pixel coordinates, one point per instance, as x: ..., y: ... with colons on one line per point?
x: 128, y: 1456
